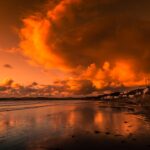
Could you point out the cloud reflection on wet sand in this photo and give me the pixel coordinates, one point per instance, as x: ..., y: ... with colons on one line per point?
x: 72, y: 125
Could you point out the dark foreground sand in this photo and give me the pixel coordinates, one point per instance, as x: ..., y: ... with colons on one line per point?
x: 73, y: 125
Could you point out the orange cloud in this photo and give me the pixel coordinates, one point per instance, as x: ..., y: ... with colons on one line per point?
x: 90, y: 41
x: 33, y: 43
x: 121, y: 73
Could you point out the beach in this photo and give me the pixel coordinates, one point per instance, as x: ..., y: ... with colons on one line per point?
x: 72, y: 125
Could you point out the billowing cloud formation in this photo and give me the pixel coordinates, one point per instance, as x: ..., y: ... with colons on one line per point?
x: 10, y: 14
x: 60, y: 88
x: 8, y: 88
x: 105, y: 42
x: 121, y: 74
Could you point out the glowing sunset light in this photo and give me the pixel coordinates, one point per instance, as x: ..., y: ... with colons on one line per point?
x: 74, y: 74
x: 73, y: 47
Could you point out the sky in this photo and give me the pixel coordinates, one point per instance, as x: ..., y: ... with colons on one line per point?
x: 73, y: 47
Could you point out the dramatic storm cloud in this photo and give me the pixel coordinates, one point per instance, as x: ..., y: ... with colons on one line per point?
x: 11, y: 13
x: 83, y: 46
x: 110, y: 38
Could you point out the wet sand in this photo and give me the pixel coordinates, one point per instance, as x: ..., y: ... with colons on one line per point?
x: 73, y: 125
